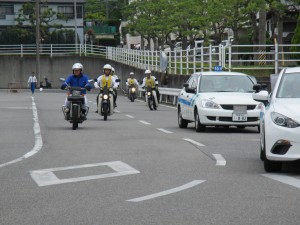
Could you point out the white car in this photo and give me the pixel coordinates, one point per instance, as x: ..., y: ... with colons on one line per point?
x: 218, y: 99
x: 280, y: 120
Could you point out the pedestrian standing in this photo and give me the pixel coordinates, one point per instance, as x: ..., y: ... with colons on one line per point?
x: 32, y: 82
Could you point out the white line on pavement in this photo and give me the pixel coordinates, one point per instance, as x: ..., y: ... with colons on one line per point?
x: 132, y: 117
x: 47, y: 177
x: 167, y: 192
x: 284, y: 179
x: 165, y: 131
x: 144, y: 122
x: 38, y: 138
x: 193, y: 142
x: 220, y: 161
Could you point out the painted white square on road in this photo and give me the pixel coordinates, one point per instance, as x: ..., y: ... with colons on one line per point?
x: 47, y: 177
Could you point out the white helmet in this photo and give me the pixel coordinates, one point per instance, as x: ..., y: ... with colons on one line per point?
x: 77, y: 66
x: 107, y: 67
x: 131, y: 74
x: 148, y: 72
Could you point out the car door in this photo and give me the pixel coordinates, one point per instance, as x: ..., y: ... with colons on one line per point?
x: 183, y: 99
x: 191, y: 97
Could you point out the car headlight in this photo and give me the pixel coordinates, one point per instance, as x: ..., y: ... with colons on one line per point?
x: 283, y: 121
x: 209, y: 104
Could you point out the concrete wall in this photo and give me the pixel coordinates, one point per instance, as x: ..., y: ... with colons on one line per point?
x: 16, y: 69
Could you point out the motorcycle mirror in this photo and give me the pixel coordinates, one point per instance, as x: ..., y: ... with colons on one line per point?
x: 90, y: 80
x: 62, y: 79
x: 95, y: 79
x: 118, y: 80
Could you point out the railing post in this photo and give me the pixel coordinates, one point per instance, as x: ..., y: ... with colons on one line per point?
x: 229, y: 57
x: 21, y: 51
x: 210, y: 58
x: 276, y: 58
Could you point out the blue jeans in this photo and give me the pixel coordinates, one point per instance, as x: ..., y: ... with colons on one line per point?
x: 32, y: 87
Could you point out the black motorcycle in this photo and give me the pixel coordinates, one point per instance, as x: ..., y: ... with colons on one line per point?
x: 151, y: 99
x: 132, y: 92
x: 75, y: 114
x: 106, y: 102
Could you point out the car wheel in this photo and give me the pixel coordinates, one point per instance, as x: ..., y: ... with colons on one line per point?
x: 182, y: 123
x: 199, y: 127
x: 262, y: 146
x: 272, y: 166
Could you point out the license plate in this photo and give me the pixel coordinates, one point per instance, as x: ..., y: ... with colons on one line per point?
x: 239, y: 117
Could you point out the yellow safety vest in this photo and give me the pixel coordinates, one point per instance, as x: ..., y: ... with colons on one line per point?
x: 108, y: 82
x: 150, y: 82
x: 131, y: 81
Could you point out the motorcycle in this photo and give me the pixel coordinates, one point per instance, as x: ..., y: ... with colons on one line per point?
x: 151, y: 98
x: 132, y: 92
x: 106, y: 102
x: 76, y: 112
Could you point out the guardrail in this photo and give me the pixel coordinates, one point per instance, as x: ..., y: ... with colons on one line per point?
x: 167, y: 95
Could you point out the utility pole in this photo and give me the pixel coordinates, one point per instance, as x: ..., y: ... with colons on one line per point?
x: 75, y: 22
x: 107, y: 10
x: 37, y: 37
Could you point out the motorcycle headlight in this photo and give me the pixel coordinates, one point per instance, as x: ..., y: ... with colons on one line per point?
x: 209, y: 104
x: 133, y: 89
x: 105, y: 97
x: 283, y: 121
x: 148, y: 93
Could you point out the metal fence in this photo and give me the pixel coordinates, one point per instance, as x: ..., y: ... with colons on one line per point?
x: 232, y: 57
x: 53, y: 50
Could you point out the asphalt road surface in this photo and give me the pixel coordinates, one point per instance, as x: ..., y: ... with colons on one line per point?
x: 136, y: 168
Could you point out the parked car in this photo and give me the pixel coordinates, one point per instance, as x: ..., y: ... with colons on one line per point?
x: 280, y: 120
x: 218, y: 99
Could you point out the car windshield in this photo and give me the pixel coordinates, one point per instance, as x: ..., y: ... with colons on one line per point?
x: 289, y: 86
x: 225, y: 83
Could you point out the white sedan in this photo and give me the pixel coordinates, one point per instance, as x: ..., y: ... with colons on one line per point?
x: 218, y: 99
x: 280, y: 120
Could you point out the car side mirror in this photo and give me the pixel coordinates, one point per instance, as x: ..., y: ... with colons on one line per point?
x: 190, y: 90
x: 185, y: 85
x: 261, y: 96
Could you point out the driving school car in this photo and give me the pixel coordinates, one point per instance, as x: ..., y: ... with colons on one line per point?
x: 218, y: 99
x: 280, y: 120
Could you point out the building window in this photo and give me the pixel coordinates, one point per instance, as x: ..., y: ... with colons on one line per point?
x: 6, y: 9
x: 68, y: 11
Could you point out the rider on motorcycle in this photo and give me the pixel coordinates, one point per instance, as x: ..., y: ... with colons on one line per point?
x: 105, y: 79
x: 150, y: 80
x: 77, y: 79
x: 131, y: 81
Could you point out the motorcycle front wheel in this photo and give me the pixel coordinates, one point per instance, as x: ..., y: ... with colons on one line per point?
x: 105, y: 111
x: 75, y: 111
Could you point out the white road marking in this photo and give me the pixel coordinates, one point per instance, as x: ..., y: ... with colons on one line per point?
x: 165, y: 131
x: 46, y: 177
x: 132, y: 117
x: 284, y: 179
x: 167, y: 192
x: 220, y: 161
x: 193, y: 142
x: 117, y: 111
x: 16, y: 107
x: 37, y: 137
x: 144, y: 122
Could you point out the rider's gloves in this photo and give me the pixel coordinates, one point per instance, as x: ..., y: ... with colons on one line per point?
x: 88, y: 88
x: 63, y: 86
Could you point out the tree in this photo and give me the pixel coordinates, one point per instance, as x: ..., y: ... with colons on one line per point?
x: 26, y: 19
